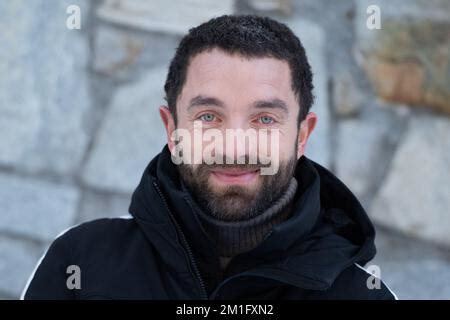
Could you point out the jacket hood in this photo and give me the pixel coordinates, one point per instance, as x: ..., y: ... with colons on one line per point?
x: 327, y: 232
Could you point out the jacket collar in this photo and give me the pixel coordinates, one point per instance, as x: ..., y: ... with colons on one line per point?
x: 327, y: 232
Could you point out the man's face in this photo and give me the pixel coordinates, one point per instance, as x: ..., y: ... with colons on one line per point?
x: 229, y: 92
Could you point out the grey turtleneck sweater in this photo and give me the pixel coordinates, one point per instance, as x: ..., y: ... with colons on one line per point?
x: 233, y: 238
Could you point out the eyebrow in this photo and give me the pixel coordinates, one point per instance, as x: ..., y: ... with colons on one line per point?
x: 271, y: 104
x: 260, y: 104
x: 205, y: 101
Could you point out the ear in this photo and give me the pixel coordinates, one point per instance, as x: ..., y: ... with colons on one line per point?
x: 169, y: 125
x: 306, y: 128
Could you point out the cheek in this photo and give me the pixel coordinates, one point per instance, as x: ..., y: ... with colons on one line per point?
x: 284, y: 144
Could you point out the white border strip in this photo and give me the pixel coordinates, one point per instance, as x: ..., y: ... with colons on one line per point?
x: 392, y: 292
x: 30, y: 278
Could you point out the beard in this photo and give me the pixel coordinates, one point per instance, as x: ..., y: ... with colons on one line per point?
x: 236, y: 202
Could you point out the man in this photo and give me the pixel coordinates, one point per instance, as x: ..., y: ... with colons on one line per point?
x: 225, y: 227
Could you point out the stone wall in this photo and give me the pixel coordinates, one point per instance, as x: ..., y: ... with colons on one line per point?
x: 79, y: 120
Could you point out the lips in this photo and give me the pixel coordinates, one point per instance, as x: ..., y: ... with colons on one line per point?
x: 235, y: 176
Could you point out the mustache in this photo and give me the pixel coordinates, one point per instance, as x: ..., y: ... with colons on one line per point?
x: 243, y: 162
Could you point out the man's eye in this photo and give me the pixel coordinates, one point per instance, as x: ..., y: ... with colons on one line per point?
x: 266, y: 120
x: 207, y: 117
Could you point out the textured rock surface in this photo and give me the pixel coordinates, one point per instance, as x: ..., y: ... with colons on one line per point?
x: 408, y: 60
x: 412, y: 269
x: 17, y: 261
x: 312, y: 38
x: 176, y: 17
x: 414, y: 196
x: 79, y: 118
x: 44, y: 94
x: 131, y: 135
x: 35, y: 208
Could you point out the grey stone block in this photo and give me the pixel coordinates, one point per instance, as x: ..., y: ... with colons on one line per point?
x: 36, y: 208
x: 175, y: 16
x: 357, y: 154
x: 413, y: 269
x: 392, y: 9
x: 17, y: 261
x: 414, y: 197
x: 131, y: 135
x: 44, y: 91
x: 347, y: 98
x: 123, y: 54
x: 96, y: 205
x: 313, y: 39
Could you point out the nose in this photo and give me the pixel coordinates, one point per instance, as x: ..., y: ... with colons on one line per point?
x: 241, y: 141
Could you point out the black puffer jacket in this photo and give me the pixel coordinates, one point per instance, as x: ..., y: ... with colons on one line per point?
x: 162, y: 252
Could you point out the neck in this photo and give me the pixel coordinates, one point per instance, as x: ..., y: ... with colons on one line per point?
x: 236, y: 237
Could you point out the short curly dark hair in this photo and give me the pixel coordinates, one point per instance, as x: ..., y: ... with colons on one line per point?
x: 250, y: 36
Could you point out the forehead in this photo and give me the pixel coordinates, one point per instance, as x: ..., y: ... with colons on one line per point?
x: 227, y: 76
